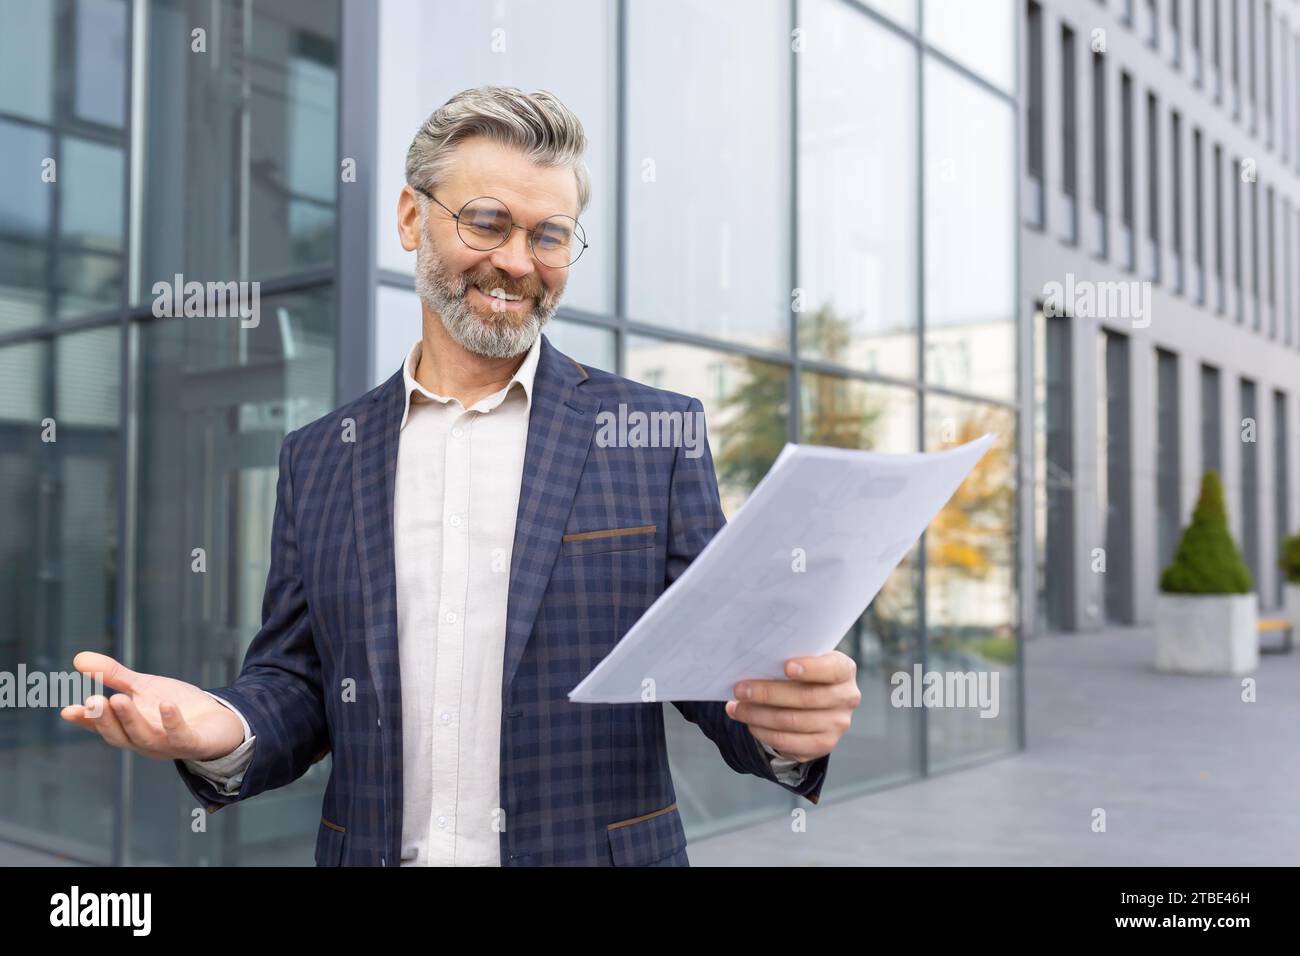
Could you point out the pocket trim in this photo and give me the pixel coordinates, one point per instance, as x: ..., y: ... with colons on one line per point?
x: 645, y: 816
x: 333, y: 826
x: 608, y: 533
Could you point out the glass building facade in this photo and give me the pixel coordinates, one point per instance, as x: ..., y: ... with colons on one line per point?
x: 804, y: 213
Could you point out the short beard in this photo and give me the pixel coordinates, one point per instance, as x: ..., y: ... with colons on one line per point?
x: 444, y: 293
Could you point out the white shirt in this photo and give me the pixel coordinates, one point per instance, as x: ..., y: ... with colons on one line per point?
x: 455, y: 501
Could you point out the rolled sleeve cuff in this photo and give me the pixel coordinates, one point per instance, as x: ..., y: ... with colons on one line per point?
x: 227, y: 773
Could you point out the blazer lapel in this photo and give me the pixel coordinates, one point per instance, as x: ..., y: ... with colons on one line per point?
x: 374, y: 471
x: 561, y: 423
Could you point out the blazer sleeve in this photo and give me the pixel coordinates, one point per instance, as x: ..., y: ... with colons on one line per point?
x: 279, y: 690
x: 694, y: 517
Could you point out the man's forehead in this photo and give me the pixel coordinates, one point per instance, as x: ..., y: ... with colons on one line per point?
x: 489, y: 169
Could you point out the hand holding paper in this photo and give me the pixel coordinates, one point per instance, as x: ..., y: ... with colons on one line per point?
x: 786, y: 577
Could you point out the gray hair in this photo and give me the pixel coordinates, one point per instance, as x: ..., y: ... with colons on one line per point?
x: 546, y: 130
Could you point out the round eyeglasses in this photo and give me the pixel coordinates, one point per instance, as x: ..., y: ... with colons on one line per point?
x: 485, y: 224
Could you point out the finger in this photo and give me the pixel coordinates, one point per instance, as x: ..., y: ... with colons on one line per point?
x: 139, y: 732
x: 787, y: 719
x: 113, y: 674
x: 91, y: 709
x: 181, y: 737
x: 788, y: 693
x: 106, y: 724
x: 76, y: 714
x: 833, y: 668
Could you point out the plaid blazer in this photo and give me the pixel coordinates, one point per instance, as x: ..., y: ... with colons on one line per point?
x: 581, y: 784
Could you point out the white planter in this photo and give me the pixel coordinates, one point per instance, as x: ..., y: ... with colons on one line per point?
x: 1206, y: 633
x: 1291, y: 608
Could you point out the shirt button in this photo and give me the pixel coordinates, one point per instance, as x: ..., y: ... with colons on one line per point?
x: 455, y: 521
x: 442, y: 821
x: 446, y: 717
x: 457, y: 432
x: 451, y: 617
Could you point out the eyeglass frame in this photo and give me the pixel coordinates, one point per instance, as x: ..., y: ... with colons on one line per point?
x: 510, y: 232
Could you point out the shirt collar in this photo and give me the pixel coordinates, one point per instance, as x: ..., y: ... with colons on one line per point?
x: 523, y: 376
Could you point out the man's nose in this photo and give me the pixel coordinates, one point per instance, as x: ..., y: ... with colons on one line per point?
x: 514, y: 256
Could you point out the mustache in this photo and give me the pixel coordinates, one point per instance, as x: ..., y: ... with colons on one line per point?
x: 488, y: 284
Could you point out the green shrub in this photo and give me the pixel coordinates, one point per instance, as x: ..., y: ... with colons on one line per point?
x: 994, y: 648
x: 1290, y: 560
x: 1207, y: 561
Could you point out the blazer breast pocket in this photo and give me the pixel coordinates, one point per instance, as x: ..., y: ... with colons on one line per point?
x: 630, y: 538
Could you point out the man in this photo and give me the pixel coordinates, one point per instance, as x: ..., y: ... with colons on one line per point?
x: 453, y: 552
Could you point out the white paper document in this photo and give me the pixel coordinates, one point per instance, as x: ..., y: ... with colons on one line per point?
x: 786, y: 577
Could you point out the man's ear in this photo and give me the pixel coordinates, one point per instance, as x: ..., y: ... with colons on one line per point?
x: 408, y: 219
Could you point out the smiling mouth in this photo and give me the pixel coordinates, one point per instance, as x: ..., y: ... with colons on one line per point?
x: 502, y: 301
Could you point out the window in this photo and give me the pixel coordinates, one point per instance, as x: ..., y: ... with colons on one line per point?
x: 1176, y: 195
x: 1250, y: 64
x: 1034, y: 107
x: 1284, y: 108
x: 969, y: 621
x: 857, y: 223
x: 1126, y: 169
x: 1198, y: 54
x: 1238, y: 272
x: 1250, y: 483
x: 1271, y: 239
x: 980, y: 36
x: 1069, y: 139
x: 1198, y: 218
x: 1099, y: 130
x: 232, y: 178
x: 1175, y: 35
x: 1114, y: 474
x: 1220, y: 269
x: 969, y: 266
x: 1054, y: 470
x: 266, y: 159
x: 1254, y: 254
x: 1295, y: 103
x: 59, y: 511
x: 1216, y: 54
x: 61, y: 99
x: 1153, y: 185
x: 1211, y: 421
x: 1235, y: 51
x: 1268, y: 71
x: 1168, y: 469
x: 1281, y: 478
x: 1286, y: 276
x: 708, y: 243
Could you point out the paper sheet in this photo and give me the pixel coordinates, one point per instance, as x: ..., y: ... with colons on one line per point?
x: 742, y: 608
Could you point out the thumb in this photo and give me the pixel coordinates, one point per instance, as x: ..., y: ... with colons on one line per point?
x: 114, y: 674
x: 181, y: 737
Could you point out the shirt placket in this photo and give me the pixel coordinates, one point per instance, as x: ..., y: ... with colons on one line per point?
x: 451, y: 639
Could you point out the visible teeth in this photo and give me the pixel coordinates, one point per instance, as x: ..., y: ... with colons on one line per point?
x: 503, y: 294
